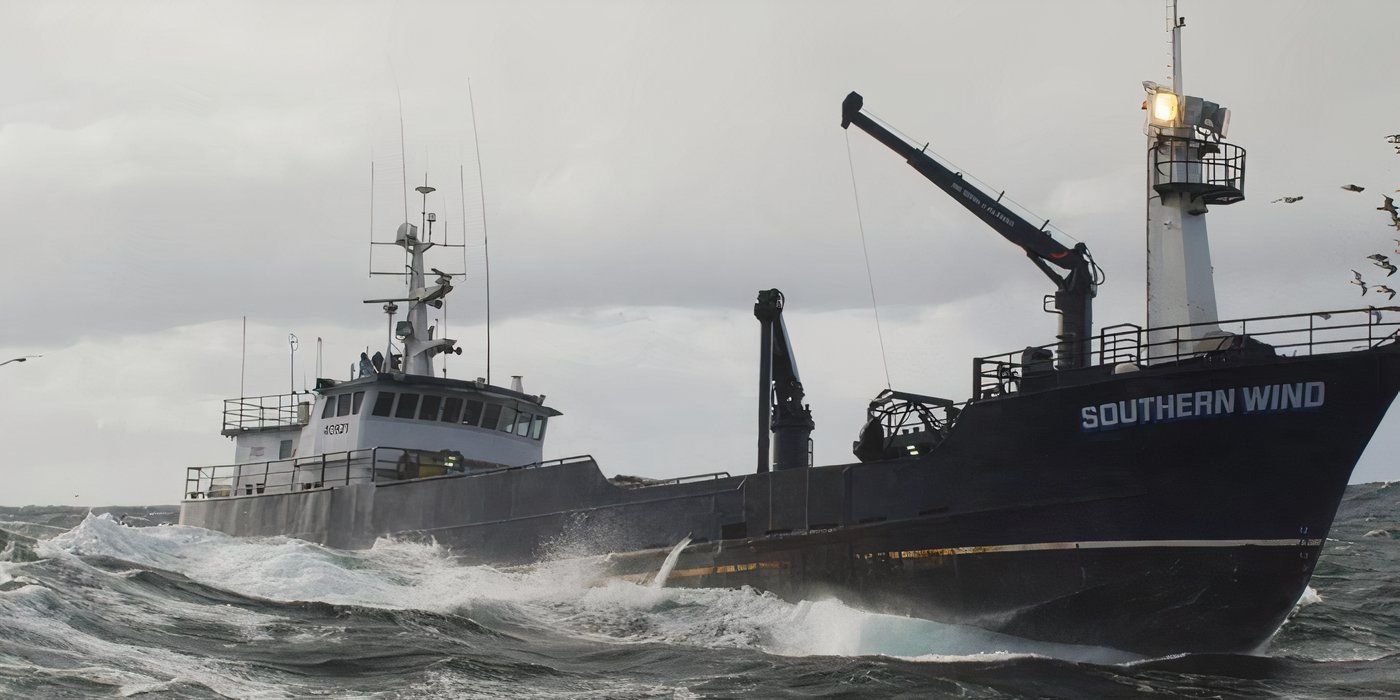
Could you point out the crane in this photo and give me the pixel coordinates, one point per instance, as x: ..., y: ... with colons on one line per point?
x: 781, y: 410
x: 1072, y: 270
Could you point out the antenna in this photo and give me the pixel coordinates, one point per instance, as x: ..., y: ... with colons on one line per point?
x: 371, y: 214
x: 318, y: 359
x: 423, y: 219
x: 390, y: 309
x: 294, y: 344
x: 446, y: 241
x: 485, y: 239
x: 243, y: 360
x: 1177, y: 22
x: 403, y: 150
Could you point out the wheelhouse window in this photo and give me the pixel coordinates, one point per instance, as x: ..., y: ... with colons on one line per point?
x: 383, y: 403
x: 408, y: 406
x: 343, y: 405
x: 329, y: 409
x: 472, y: 414
x: 451, y: 409
x: 429, y: 408
x: 491, y: 416
x: 522, y: 424
x: 507, y: 422
x: 284, y: 449
x: 359, y: 399
x: 537, y: 427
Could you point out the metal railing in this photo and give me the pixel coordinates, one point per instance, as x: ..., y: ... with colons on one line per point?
x: 261, y: 412
x: 710, y: 476
x: 1209, y: 168
x: 383, y: 465
x: 1304, y: 334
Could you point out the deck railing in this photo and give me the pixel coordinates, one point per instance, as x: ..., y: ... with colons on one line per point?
x: 1304, y: 334
x: 381, y: 465
x: 262, y: 412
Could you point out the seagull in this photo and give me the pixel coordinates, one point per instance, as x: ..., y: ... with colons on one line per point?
x: 1382, y: 289
x: 1393, y: 138
x: 1375, y: 314
x: 1388, y: 206
x: 1377, y: 257
x: 1388, y: 267
x: 1358, y: 282
x: 1353, y: 188
x: 1323, y: 315
x: 1287, y: 200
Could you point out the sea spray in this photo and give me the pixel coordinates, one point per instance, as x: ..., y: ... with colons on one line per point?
x: 670, y: 563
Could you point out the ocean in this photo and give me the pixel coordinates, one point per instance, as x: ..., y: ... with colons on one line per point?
x: 117, y: 602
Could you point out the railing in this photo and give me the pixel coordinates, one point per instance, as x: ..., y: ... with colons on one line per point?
x: 260, y: 412
x: 1289, y: 335
x: 711, y: 476
x: 1211, y: 169
x: 381, y: 465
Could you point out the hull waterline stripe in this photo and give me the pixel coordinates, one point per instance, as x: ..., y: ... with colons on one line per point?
x: 1099, y: 544
x: 995, y: 549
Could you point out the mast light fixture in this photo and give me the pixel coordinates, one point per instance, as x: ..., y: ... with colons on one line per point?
x: 1164, y: 108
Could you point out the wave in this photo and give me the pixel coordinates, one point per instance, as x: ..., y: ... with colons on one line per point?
x: 569, y: 595
x: 178, y: 610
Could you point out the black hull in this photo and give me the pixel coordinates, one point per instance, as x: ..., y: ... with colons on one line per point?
x: 1201, y: 596
x: 1188, y: 535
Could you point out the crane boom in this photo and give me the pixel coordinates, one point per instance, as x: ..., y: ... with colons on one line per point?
x: 1075, y: 288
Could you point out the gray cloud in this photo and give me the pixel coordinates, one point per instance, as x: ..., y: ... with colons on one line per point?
x: 164, y: 166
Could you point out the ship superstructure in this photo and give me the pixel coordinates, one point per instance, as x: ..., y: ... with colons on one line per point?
x: 395, y: 419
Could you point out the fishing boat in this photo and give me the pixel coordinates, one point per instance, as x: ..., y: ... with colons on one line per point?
x: 1158, y: 488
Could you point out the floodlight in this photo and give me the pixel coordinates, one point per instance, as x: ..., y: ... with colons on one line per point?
x: 1164, y: 108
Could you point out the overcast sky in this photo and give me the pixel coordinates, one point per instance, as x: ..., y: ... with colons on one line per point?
x: 168, y: 168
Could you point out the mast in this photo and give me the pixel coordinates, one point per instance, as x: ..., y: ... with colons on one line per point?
x: 415, y: 332
x: 1189, y: 166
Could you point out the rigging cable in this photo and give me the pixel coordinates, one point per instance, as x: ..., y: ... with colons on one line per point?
x: 869, y: 278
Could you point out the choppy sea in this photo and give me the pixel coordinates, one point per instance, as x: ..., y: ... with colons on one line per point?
x: 120, y: 603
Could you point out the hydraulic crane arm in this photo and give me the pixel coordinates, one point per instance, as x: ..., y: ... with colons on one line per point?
x: 1031, y: 238
x: 1075, y: 286
x: 781, y: 410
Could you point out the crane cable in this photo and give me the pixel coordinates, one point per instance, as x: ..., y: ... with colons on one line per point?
x: 869, y: 278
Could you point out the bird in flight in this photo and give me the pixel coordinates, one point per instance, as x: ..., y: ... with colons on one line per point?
x: 1287, y: 200
x: 1389, y: 205
x: 1358, y: 282
x: 1382, y: 289
x: 1353, y: 188
x: 1375, y: 314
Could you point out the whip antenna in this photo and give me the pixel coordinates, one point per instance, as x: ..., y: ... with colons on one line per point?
x: 403, y: 150
x: 371, y: 214
x: 485, y: 239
